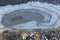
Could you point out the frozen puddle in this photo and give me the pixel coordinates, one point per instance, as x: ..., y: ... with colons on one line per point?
x: 50, y: 13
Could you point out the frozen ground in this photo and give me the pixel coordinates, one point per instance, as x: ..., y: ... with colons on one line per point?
x: 50, y: 9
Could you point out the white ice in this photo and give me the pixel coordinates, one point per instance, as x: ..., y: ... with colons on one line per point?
x: 53, y: 10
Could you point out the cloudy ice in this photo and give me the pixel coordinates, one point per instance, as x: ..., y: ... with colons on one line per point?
x: 51, y: 9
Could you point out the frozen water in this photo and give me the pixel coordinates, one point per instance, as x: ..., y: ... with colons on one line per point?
x: 50, y: 9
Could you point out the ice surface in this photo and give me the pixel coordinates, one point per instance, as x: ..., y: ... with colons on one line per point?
x: 51, y: 9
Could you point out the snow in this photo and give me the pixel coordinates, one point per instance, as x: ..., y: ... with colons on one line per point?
x: 51, y: 9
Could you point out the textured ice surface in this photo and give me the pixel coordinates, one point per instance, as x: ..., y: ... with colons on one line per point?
x: 50, y: 9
